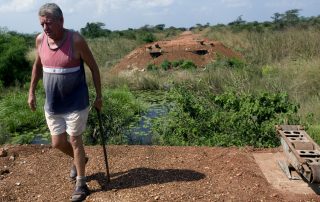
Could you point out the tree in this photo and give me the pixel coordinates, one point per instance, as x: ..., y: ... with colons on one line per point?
x: 238, y: 21
x: 160, y: 26
x: 277, y: 17
x: 291, y: 17
x: 14, y: 66
x: 94, y: 30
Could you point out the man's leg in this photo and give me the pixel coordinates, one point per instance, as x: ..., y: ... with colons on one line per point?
x: 57, y: 126
x: 76, y: 124
x: 81, y: 191
x: 61, y: 142
x: 79, y: 154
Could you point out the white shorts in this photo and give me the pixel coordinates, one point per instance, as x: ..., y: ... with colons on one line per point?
x: 73, y: 123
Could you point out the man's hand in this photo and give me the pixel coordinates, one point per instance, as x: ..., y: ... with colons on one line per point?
x: 32, y: 101
x: 98, y: 103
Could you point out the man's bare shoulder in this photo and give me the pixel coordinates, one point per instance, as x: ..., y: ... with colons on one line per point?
x: 39, y: 38
x: 77, y: 38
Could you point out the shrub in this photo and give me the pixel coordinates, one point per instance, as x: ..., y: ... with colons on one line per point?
x: 147, y: 37
x: 177, y: 63
x: 187, y: 64
x: 224, y: 120
x: 165, y: 65
x: 121, y: 109
x: 235, y: 63
x: 18, y: 123
x: 14, y: 66
x: 152, y: 67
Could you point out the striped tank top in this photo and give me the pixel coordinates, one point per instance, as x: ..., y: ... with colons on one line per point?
x: 63, y: 77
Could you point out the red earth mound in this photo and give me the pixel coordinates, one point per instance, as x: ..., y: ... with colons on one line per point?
x: 187, y: 46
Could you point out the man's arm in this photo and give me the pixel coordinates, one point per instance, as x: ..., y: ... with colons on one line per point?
x: 35, y: 76
x: 82, y: 49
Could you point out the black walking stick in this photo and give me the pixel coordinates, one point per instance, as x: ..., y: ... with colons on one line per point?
x: 103, y: 142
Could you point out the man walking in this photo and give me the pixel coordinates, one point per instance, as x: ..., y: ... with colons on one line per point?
x: 60, y: 58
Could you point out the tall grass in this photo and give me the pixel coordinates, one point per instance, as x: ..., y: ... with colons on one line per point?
x: 275, y: 46
x: 108, y: 52
x: 270, y: 46
x: 274, y: 62
x: 18, y: 123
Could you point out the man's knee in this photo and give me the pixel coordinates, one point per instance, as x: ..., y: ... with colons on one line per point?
x: 59, y: 141
x: 58, y: 144
x: 76, y: 141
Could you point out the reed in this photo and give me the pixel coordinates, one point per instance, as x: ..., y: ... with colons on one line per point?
x: 108, y: 52
x: 270, y: 46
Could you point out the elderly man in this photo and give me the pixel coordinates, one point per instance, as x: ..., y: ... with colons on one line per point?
x: 60, y: 57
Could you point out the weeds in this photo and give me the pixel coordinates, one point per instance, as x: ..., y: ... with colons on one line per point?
x: 224, y: 120
x: 279, y: 69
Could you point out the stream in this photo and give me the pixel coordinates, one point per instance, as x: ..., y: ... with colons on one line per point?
x: 139, y: 133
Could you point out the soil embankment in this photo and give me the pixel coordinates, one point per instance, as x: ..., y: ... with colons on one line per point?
x: 187, y: 46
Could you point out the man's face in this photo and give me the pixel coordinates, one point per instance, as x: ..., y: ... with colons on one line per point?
x: 51, y: 26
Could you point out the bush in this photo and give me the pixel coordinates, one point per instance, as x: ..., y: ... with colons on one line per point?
x: 147, y: 37
x: 224, y: 120
x: 14, y: 67
x: 188, y: 65
x: 18, y: 123
x: 235, y: 63
x: 165, y: 65
x: 152, y: 67
x: 177, y: 63
x: 120, y: 109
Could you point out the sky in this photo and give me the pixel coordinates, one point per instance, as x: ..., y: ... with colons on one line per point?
x: 22, y: 15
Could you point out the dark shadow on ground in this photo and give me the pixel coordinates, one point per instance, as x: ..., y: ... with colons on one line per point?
x: 138, y: 177
x: 315, y: 188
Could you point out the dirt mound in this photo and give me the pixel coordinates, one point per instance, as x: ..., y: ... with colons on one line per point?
x: 141, y: 173
x: 187, y: 46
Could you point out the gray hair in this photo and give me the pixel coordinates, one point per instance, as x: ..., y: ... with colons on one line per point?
x: 51, y: 9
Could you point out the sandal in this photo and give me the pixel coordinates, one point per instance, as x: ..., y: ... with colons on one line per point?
x: 80, y: 193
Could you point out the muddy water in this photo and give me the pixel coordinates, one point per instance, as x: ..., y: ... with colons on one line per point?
x: 141, y: 132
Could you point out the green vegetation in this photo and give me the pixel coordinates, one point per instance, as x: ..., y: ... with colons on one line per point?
x: 14, y: 67
x: 229, y: 102
x: 202, y: 118
x: 147, y: 33
x: 18, y: 123
x: 109, y: 47
x: 121, y: 109
x: 166, y: 65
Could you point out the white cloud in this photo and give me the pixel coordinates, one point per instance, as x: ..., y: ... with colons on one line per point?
x: 101, y: 7
x: 151, y: 3
x: 16, y: 5
x: 285, y: 4
x: 236, y: 3
x: 94, y: 7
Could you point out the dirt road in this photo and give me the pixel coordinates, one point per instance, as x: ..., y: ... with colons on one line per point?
x: 141, y: 173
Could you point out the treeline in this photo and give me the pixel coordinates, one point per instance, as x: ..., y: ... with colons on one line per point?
x: 16, y: 69
x: 280, y: 21
x: 145, y: 34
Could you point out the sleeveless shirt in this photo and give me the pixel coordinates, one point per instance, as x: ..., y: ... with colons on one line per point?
x: 63, y: 77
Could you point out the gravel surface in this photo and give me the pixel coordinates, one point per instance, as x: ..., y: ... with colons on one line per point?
x: 140, y: 173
